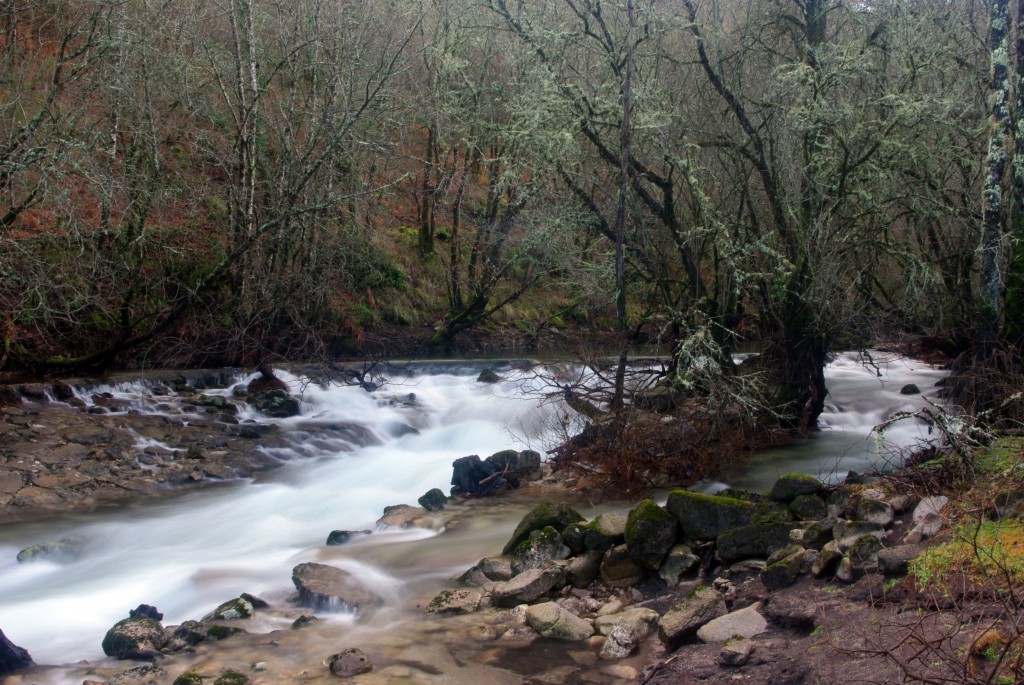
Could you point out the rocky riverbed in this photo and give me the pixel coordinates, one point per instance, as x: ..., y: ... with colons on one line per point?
x: 799, y: 585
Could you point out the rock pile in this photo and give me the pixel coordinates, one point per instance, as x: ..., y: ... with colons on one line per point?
x: 557, y: 565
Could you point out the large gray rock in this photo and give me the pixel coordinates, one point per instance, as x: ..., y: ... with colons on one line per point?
x: 327, y: 588
x: 679, y: 561
x: 12, y: 657
x: 875, y: 511
x: 642, y: 620
x: 746, y: 622
x: 896, y: 560
x: 558, y: 516
x: 528, y: 586
x: 704, y: 517
x: 650, y: 533
x: 621, y: 641
x: 455, y: 602
x: 136, y: 637
x: 927, y: 519
x: 539, y: 549
x: 691, y: 611
x: 808, y: 508
x: 554, y: 621
x: 758, y: 540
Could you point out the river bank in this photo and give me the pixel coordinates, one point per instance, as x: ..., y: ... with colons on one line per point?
x: 456, y: 645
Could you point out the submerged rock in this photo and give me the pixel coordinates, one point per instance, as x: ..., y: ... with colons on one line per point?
x: 328, y: 588
x: 349, y: 663
x: 60, y: 552
x: 455, y: 602
x: 340, y: 537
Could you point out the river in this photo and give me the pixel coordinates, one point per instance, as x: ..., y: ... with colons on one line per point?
x: 188, y: 554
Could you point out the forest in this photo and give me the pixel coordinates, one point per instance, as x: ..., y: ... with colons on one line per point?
x: 206, y: 182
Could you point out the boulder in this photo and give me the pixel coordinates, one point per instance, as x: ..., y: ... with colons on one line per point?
x: 828, y: 557
x: 455, y: 602
x: 691, y: 611
x: 553, y: 621
x: 783, y: 572
x: 473, y: 477
x: 875, y: 511
x: 232, y: 609
x: 516, y: 467
x: 896, y: 560
x: 12, y: 657
x: 746, y: 622
x: 704, y: 517
x: 528, y: 586
x: 818, y: 534
x: 927, y: 519
x: 558, y: 516
x: 736, y: 651
x: 679, y: 561
x: 791, y: 485
x: 808, y: 508
x: 433, y: 500
x: 349, y: 663
x: 539, y: 549
x: 327, y: 588
x: 584, y: 569
x: 619, y: 568
x: 276, y: 404
x: 136, y: 637
x: 641, y: 620
x: 758, y: 540
x: 496, y: 568
x: 863, y: 554
x: 605, y: 531
x: 621, y: 641
x: 575, y: 535
x: 910, y: 389
x: 848, y: 532
x: 650, y: 533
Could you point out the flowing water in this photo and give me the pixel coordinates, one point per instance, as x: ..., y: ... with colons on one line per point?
x: 188, y: 554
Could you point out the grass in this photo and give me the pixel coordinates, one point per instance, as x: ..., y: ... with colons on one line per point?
x: 986, y: 552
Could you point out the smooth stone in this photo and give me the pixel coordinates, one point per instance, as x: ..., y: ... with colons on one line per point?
x: 528, y: 586
x: 691, y: 611
x: 746, y: 622
x: 553, y: 621
x: 736, y: 652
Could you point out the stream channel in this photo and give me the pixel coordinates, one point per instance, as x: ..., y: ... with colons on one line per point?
x: 187, y: 554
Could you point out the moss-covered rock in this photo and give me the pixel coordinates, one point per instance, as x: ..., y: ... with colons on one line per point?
x: 433, y: 500
x: 808, y: 508
x: 574, y: 536
x: 705, y: 517
x: 558, y: 516
x: 758, y: 540
x: 136, y: 637
x: 219, y: 632
x: 679, y: 561
x: 650, y: 533
x: 783, y: 572
x: 538, y: 549
x: 188, y: 678
x: 230, y: 610
x: 605, y: 531
x: 791, y: 485
x: 231, y: 678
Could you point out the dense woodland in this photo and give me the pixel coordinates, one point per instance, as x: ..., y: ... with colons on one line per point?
x: 190, y: 182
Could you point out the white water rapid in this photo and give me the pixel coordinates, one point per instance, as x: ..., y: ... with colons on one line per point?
x: 185, y: 555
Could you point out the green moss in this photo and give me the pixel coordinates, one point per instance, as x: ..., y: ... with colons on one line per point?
x: 1001, y: 456
x: 219, y: 632
x: 992, y: 552
x: 188, y: 678
x: 232, y: 678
